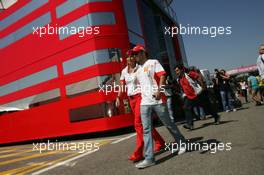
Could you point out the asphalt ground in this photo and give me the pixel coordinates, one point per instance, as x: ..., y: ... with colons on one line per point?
x: 236, y: 146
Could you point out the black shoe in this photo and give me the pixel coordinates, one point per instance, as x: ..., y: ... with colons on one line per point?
x: 190, y: 127
x: 217, y: 120
x: 258, y: 104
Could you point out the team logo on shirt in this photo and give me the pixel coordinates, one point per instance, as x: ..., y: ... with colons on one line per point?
x: 146, y: 69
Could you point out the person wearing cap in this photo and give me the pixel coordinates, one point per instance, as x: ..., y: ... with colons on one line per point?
x: 128, y: 80
x: 151, y: 78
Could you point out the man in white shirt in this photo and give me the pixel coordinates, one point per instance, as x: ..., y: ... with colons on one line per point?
x: 151, y: 78
x: 260, y: 61
x: 128, y: 83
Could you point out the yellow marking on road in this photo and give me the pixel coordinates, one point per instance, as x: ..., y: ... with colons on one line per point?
x: 15, y: 154
x: 37, y: 166
x: 17, y: 170
x: 33, y: 166
x: 6, y: 151
x: 28, y: 157
x: 103, y: 142
x: 4, y: 148
x: 48, y: 164
x: 15, y: 147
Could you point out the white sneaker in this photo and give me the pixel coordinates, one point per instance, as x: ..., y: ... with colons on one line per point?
x: 227, y: 111
x: 234, y: 110
x: 182, y: 150
x: 145, y: 163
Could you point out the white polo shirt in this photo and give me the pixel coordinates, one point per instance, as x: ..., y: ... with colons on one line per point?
x: 148, y: 76
x: 260, y: 65
x: 130, y: 81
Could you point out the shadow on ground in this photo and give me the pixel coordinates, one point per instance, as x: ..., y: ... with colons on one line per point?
x: 212, y: 123
x: 193, y: 144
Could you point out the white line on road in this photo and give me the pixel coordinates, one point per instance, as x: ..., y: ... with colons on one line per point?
x: 80, y: 156
x: 63, y: 162
x: 120, y: 140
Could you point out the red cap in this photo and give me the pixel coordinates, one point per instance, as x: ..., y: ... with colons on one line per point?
x: 138, y: 48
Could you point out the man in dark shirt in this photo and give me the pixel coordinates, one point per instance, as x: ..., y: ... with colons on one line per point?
x: 192, y: 98
x: 223, y: 81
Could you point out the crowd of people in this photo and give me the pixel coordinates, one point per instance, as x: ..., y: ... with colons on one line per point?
x: 149, y: 89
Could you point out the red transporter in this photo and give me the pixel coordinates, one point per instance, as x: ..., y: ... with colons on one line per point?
x: 59, y: 57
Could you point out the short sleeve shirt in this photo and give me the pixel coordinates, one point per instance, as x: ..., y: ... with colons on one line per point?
x: 148, y: 76
x: 260, y: 65
x: 130, y: 81
x: 254, y: 81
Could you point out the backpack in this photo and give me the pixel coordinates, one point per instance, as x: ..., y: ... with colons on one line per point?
x: 194, y: 84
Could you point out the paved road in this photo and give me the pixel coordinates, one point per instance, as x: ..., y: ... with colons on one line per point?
x: 240, y: 131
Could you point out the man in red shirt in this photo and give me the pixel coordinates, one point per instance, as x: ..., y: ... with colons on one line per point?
x: 193, y: 96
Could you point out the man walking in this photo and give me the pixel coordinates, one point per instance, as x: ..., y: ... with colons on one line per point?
x: 196, y: 94
x: 223, y: 80
x: 260, y: 65
x: 253, y: 86
x: 128, y: 80
x: 151, y: 78
x: 260, y: 61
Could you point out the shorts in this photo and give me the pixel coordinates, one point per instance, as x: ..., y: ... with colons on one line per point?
x: 255, y: 89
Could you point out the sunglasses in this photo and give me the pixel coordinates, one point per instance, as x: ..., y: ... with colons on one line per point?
x: 135, y: 54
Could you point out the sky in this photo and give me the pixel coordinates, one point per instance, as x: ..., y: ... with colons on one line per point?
x: 246, y: 17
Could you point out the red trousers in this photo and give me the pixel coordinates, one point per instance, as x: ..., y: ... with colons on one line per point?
x: 135, y: 107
